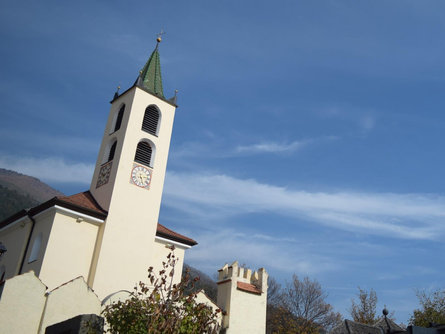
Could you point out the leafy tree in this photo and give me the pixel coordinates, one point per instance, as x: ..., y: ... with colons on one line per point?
x: 432, y: 309
x: 302, y: 308
x: 364, y: 310
x: 274, y: 310
x: 161, y: 307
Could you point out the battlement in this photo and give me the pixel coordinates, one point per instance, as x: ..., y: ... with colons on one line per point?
x: 242, y: 295
x: 239, y: 274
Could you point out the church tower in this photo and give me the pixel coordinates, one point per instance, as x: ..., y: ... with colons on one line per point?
x: 128, y: 180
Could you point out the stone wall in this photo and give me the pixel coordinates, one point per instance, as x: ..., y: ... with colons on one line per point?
x: 26, y: 306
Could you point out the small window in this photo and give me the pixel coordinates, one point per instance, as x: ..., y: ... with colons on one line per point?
x: 2, y: 273
x: 151, y: 120
x: 2, y: 279
x: 120, y: 115
x: 112, y: 151
x: 143, y: 153
x: 35, y: 251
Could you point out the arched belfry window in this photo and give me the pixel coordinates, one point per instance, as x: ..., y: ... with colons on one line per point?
x: 112, y: 151
x: 144, y: 154
x: 119, y: 117
x: 150, y: 123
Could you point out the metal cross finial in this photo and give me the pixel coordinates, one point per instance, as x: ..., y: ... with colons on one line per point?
x: 159, y: 35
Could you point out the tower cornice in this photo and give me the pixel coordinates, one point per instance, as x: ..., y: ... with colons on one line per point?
x: 147, y: 91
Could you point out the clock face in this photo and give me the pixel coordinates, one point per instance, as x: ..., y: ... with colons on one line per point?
x: 141, y: 176
x: 104, y: 174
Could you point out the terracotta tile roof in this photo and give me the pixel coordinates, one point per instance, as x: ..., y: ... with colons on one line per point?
x: 85, y: 203
x: 165, y: 232
x: 84, y: 200
x: 248, y: 287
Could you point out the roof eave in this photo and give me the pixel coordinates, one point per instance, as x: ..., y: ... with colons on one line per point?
x: 177, y: 239
x: 147, y: 91
x: 51, y: 203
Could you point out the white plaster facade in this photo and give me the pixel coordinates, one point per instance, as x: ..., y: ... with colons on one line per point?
x: 27, y: 306
x: 127, y: 243
x: 22, y: 304
x: 242, y: 295
x: 110, y: 235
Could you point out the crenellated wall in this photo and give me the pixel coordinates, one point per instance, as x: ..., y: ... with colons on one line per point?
x: 242, y: 295
x: 27, y: 306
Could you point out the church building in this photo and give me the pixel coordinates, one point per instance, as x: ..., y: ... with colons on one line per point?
x: 110, y: 233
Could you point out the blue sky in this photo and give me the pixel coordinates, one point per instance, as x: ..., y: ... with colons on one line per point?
x: 309, y: 136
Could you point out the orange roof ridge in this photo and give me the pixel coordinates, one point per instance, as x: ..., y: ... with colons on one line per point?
x: 84, y: 199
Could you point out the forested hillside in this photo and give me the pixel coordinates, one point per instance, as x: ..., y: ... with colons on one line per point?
x: 204, y: 283
x: 11, y: 202
x: 18, y: 191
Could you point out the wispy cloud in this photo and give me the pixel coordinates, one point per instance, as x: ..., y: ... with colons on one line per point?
x: 406, y: 216
x: 271, y: 147
x: 192, y: 149
x: 276, y: 147
x: 49, y: 169
x: 278, y: 254
x: 362, y: 118
x: 367, y: 122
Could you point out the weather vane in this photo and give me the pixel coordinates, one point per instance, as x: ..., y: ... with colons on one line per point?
x: 159, y: 35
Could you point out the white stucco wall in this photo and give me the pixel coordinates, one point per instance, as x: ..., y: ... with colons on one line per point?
x: 14, y: 237
x: 127, y: 245
x: 43, y: 225
x: 159, y: 254
x: 69, y: 250
x: 69, y: 300
x: 26, y: 307
x: 247, y: 312
x: 21, y: 304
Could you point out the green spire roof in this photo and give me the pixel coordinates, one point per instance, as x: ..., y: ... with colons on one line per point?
x: 150, y: 77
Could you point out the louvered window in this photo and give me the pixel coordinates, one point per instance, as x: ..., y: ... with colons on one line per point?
x: 112, y: 151
x: 151, y: 120
x: 120, y: 115
x: 143, y: 153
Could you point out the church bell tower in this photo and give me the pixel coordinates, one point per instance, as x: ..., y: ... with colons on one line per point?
x: 129, y: 177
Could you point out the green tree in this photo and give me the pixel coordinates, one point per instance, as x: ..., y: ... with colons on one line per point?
x: 432, y: 309
x: 161, y: 307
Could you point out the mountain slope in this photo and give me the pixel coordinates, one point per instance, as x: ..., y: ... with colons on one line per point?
x: 204, y: 283
x: 18, y: 191
x: 11, y: 202
x: 27, y: 185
